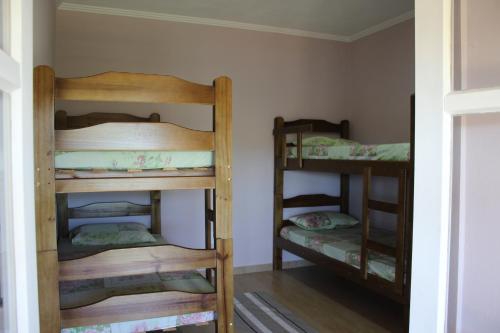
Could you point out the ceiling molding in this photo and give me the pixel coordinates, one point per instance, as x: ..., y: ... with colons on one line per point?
x: 382, y: 26
x: 233, y: 24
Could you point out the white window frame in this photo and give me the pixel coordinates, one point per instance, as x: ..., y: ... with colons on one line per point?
x: 16, y: 81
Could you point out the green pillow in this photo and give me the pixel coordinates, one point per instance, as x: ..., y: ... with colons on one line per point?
x: 111, y: 234
x: 323, y: 220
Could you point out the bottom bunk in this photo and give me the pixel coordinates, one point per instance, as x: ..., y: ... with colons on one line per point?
x: 162, y: 301
x: 344, y: 245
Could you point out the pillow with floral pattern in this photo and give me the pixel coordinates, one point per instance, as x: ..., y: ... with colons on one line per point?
x: 323, y: 220
x: 111, y: 234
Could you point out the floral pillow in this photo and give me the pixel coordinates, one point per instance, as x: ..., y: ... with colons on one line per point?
x: 323, y: 220
x: 111, y: 234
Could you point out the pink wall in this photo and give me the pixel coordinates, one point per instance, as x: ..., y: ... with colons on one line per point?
x: 273, y: 75
x: 480, y: 45
x: 383, y: 78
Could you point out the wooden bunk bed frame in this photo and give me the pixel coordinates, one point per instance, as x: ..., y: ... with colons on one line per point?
x: 139, y: 135
x: 399, y: 290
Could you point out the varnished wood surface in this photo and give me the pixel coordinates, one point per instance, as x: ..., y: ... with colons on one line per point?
x: 133, y: 87
x: 135, y: 307
x: 225, y: 287
x: 223, y: 157
x: 80, y: 174
x: 137, y: 184
x: 134, y: 136
x: 109, y: 209
x: 311, y: 200
x: 134, y: 261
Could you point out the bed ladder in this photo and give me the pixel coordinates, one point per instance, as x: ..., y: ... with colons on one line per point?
x: 387, y: 207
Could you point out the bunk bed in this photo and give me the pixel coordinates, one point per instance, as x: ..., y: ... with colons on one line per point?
x: 90, y: 138
x: 372, y: 257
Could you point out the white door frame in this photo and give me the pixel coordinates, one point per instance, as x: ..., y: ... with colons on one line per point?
x: 433, y: 148
x: 21, y: 167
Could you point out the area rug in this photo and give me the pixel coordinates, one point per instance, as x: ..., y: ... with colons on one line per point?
x: 258, y: 312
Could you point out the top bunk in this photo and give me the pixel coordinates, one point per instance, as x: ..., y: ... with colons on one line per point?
x: 102, y: 152
x: 319, y: 145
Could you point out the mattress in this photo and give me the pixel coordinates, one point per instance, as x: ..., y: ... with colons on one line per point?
x: 133, y: 160
x: 345, y: 245
x: 383, y: 152
x: 79, y: 293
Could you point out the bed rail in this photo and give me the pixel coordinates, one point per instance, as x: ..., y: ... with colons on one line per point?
x: 134, y: 261
x: 139, y: 306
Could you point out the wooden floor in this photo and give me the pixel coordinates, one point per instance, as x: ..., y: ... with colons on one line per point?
x: 324, y: 301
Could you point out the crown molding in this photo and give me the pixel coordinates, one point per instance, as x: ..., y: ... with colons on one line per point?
x: 232, y: 24
x: 382, y: 26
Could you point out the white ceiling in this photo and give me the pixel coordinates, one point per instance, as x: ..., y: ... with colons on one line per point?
x: 341, y: 18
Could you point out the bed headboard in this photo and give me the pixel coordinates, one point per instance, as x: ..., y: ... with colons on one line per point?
x: 311, y: 125
x: 107, y: 209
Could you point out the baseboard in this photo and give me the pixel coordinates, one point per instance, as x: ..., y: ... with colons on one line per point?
x: 269, y: 267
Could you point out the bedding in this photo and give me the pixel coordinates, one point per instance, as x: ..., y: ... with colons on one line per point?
x: 133, y: 160
x: 345, y: 245
x: 353, y: 151
x: 323, y: 220
x: 111, y: 234
x: 80, y: 293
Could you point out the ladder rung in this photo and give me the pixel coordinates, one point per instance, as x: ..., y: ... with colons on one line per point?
x: 381, y: 248
x: 387, y: 207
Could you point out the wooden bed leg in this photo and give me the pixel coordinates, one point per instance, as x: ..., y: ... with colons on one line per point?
x: 155, y: 198
x: 48, y: 292
x: 208, y: 230
x: 225, y: 293
x: 279, y: 145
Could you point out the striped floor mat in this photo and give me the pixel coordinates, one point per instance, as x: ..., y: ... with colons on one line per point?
x: 258, y: 312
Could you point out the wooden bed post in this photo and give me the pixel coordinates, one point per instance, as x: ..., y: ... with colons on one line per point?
x: 155, y: 198
x: 278, y: 190
x: 47, y: 260
x: 62, y: 215
x: 223, y: 203
x: 344, y: 178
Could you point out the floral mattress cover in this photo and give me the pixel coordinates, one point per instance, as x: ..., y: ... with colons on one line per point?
x: 354, y: 151
x: 133, y: 160
x: 79, y: 293
x: 344, y: 244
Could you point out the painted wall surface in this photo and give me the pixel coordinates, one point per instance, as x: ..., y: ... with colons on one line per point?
x: 478, y: 288
x: 480, y: 46
x: 44, y: 20
x: 382, y: 81
x: 273, y: 75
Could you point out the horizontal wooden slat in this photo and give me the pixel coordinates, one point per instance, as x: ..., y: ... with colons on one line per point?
x: 79, y: 174
x: 133, y: 87
x: 63, y: 121
x: 387, y: 207
x: 133, y: 184
x: 381, y: 248
x: 139, y: 306
x: 379, y: 168
x: 134, y: 136
x: 311, y: 200
x: 138, y: 260
x: 109, y: 209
